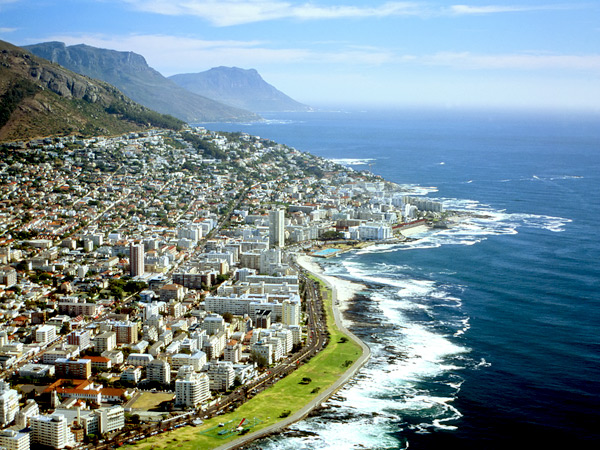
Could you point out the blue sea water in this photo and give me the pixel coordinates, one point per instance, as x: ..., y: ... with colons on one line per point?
x: 486, y: 335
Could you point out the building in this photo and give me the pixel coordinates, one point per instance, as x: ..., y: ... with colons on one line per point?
x: 80, y: 369
x: 290, y: 313
x: 133, y: 374
x: 171, y: 292
x: 111, y: 418
x: 36, y: 370
x: 139, y: 359
x: 9, y: 403
x: 136, y: 260
x: 80, y: 338
x: 73, y: 306
x: 45, y: 334
x: 52, y: 431
x: 263, y: 319
x: 276, y: 228
x: 30, y: 409
x: 105, y: 342
x: 159, y: 370
x: 8, y: 276
x: 191, y: 388
x: 127, y: 332
x: 213, y: 324
x: 233, y: 351
x: 221, y: 375
x: 264, y: 350
x: 99, y: 362
x: 14, y: 440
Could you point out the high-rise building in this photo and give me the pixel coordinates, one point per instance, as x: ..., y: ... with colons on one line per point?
x: 52, y: 431
x: 276, y: 228
x: 80, y: 369
x: 191, y: 388
x: 290, y: 313
x: 127, y: 332
x: 159, y: 370
x: 45, y: 334
x: 80, y: 338
x: 9, y: 403
x: 106, y: 341
x: 136, y: 260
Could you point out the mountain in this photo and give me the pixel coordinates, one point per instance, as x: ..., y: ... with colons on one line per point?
x: 130, y: 73
x: 238, y: 87
x: 39, y: 98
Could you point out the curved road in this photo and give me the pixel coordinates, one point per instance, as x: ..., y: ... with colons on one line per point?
x: 301, y: 414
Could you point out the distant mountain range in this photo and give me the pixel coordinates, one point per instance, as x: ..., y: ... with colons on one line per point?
x: 130, y: 73
x: 39, y: 98
x: 221, y: 94
x: 238, y: 87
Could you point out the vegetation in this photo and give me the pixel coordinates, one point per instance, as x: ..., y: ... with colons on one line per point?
x: 143, y: 116
x: 14, y: 95
x: 208, y: 148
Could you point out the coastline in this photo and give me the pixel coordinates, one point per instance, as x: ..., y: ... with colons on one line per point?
x: 342, y: 291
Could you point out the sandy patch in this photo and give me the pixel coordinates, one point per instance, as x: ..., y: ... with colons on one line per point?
x: 343, y: 290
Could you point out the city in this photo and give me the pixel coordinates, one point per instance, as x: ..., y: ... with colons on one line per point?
x: 161, y: 265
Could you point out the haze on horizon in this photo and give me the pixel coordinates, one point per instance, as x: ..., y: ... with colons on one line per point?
x: 531, y: 54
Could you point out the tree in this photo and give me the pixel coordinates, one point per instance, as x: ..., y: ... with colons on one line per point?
x: 259, y: 359
x: 228, y: 317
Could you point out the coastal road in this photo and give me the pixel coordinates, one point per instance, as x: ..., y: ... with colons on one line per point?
x: 301, y: 414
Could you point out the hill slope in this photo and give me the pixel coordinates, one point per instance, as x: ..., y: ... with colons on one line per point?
x: 130, y: 73
x: 238, y: 87
x: 38, y: 98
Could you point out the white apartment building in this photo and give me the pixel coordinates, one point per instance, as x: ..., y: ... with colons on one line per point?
x: 14, y: 440
x: 105, y: 342
x: 159, y: 370
x: 290, y: 314
x: 221, y: 375
x: 111, y: 418
x: 52, y: 431
x: 276, y: 228
x: 9, y: 403
x: 191, y: 388
x: 139, y: 359
x: 265, y: 350
x: 45, y: 334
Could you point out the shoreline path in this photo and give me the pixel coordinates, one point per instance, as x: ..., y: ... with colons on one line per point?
x: 302, y: 413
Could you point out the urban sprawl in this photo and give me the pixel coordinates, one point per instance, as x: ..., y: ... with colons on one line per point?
x: 162, y: 263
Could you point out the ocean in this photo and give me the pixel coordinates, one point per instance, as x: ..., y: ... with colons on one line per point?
x: 485, y: 335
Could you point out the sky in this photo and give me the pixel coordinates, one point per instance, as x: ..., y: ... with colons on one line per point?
x: 532, y: 54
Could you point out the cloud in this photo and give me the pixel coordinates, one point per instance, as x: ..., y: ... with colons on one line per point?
x: 236, y: 12
x: 466, y: 60
x: 224, y: 13
x: 460, y: 10
x: 7, y: 30
x: 174, y: 54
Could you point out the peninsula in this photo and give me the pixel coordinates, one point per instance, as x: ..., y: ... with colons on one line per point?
x: 155, y: 286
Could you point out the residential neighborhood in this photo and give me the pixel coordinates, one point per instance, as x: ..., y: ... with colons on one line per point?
x: 160, y: 265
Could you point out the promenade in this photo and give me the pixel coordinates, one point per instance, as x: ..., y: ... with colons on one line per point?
x: 323, y: 396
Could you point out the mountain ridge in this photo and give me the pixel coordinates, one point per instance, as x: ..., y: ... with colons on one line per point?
x: 39, y: 98
x: 130, y: 73
x: 243, y: 88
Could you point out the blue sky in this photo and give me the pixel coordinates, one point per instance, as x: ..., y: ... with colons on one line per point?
x: 526, y: 54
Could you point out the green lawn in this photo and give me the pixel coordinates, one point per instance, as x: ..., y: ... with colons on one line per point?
x: 289, y: 394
